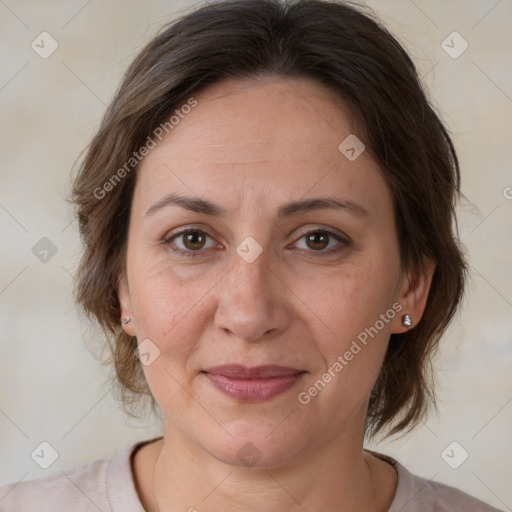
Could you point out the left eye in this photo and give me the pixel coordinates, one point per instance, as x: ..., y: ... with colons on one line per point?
x: 319, y: 240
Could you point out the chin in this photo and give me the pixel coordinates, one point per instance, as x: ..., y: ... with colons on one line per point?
x: 257, y: 444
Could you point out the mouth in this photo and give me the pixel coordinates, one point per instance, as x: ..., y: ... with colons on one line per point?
x: 254, y: 384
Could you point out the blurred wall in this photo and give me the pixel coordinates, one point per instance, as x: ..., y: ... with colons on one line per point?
x: 52, y: 389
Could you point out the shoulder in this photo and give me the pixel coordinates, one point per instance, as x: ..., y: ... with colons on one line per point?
x: 418, y: 494
x: 104, y: 484
x: 75, y: 489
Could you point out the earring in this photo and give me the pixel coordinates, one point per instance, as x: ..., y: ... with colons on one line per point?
x: 126, y: 320
x: 406, y: 320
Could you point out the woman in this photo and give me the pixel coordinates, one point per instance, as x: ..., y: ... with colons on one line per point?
x: 267, y: 213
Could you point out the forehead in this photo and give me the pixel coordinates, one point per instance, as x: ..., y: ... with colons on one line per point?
x: 268, y: 136
x: 247, y: 113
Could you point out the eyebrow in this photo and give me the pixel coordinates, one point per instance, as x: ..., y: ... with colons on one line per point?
x: 196, y: 204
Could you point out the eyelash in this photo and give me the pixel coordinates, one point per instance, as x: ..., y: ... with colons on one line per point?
x: 194, y: 254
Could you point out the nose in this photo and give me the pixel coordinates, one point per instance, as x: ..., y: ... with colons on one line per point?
x: 252, y: 300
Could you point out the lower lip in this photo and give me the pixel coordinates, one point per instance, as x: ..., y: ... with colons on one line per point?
x: 253, y: 390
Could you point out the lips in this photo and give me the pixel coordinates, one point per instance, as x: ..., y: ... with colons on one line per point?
x: 253, y: 384
x: 237, y: 371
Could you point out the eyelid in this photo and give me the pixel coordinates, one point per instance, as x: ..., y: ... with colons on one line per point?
x: 182, y: 230
x: 329, y: 230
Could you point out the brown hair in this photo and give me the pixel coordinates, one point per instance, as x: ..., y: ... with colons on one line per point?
x: 337, y: 45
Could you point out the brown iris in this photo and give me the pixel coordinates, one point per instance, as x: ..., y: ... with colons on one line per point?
x: 194, y: 240
x: 317, y: 240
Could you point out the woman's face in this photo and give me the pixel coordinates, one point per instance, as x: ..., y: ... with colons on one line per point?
x: 260, y: 280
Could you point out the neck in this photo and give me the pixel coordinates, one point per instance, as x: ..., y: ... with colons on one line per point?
x: 338, y: 476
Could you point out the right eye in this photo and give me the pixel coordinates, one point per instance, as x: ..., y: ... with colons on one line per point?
x: 191, y: 240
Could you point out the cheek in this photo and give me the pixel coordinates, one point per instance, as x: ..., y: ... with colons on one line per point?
x: 350, y: 314
x: 168, y: 311
x: 346, y: 301
x: 166, y: 307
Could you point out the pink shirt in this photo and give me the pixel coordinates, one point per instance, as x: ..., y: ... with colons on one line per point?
x: 107, y: 485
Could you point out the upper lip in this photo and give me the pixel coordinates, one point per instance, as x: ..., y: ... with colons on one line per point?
x: 237, y: 371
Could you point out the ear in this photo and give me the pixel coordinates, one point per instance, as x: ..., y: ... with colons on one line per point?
x: 413, y: 293
x: 123, y: 292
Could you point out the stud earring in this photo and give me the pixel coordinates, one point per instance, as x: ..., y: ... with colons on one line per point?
x: 126, y: 320
x: 406, y: 320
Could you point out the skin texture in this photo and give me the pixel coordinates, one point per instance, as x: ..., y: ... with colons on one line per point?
x: 250, y: 147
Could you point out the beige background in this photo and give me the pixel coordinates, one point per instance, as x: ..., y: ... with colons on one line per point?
x: 52, y: 389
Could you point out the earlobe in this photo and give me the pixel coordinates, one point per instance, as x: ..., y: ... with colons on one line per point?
x: 123, y: 294
x: 413, y: 296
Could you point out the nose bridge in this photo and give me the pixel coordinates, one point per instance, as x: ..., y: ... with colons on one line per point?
x: 250, y: 302
x: 251, y: 278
